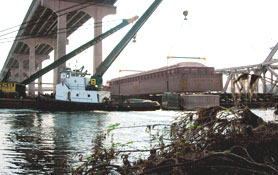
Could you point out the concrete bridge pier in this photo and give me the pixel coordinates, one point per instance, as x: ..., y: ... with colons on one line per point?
x: 98, y: 12
x: 39, y: 62
x: 32, y: 43
x: 61, y: 8
x: 21, y: 58
x: 32, y: 67
x: 20, y: 69
x: 61, y: 45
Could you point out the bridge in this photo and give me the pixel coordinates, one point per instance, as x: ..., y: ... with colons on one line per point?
x: 48, y: 24
x: 247, y: 78
x: 45, y: 28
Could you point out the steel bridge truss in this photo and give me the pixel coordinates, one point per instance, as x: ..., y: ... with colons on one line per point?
x: 248, y: 78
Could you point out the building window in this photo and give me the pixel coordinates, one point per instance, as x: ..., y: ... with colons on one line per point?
x: 169, y: 72
x: 186, y: 70
x: 194, y: 71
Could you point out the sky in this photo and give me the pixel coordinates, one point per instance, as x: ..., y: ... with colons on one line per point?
x: 228, y: 33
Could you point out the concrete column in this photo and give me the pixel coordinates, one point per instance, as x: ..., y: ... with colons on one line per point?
x: 55, y: 72
x: 95, y: 11
x: 20, y: 59
x: 40, y: 60
x: 20, y: 69
x: 32, y: 69
x: 32, y: 43
x: 14, y: 71
x: 60, y: 49
x: 98, y: 13
x: 61, y: 43
x: 40, y: 90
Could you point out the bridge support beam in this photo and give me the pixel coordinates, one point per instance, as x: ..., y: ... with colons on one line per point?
x: 32, y: 43
x: 20, y: 70
x: 40, y: 60
x: 21, y: 58
x: 98, y: 13
x: 32, y: 67
x: 61, y: 45
x: 61, y: 8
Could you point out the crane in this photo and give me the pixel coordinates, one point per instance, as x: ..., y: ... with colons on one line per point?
x: 103, y: 67
x: 75, y: 52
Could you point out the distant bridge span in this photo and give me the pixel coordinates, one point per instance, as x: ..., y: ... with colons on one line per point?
x: 259, y: 70
x: 45, y: 28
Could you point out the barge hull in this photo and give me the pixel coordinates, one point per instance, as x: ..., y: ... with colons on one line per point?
x: 9, y: 103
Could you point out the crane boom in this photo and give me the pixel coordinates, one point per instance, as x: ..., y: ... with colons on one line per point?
x: 122, y: 44
x: 75, y: 52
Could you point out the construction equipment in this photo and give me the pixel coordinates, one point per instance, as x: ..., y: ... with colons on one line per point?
x: 197, y: 58
x: 103, y: 67
x: 11, y: 89
x: 77, y: 89
x: 75, y: 52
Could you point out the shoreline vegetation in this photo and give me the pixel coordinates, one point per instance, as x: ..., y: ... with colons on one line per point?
x: 216, y: 140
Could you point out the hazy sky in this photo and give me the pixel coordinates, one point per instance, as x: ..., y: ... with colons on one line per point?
x: 227, y: 32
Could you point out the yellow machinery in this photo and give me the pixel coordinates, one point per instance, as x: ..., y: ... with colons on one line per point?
x: 12, y: 90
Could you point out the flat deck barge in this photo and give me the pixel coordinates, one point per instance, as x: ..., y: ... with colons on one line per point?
x: 9, y: 103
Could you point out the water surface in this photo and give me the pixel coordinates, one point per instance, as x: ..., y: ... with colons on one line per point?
x: 34, y: 142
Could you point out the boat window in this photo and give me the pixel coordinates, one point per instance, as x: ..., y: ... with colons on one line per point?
x: 89, y: 95
x: 77, y: 95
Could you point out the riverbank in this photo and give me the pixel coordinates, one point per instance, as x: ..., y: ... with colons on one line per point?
x: 212, y: 141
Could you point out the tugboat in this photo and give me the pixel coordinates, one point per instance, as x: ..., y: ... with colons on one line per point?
x: 76, y: 92
x: 75, y: 87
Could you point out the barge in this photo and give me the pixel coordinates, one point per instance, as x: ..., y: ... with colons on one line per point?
x: 76, y: 92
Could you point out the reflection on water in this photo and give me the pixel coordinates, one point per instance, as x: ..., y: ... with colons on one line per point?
x: 34, y: 142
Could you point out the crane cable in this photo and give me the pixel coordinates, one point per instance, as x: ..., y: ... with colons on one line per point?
x: 173, y: 44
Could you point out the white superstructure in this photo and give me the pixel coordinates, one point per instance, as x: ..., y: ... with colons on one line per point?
x: 75, y: 87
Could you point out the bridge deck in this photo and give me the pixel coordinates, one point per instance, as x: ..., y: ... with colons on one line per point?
x: 41, y: 22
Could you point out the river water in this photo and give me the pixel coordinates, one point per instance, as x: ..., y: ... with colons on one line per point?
x: 35, y: 142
